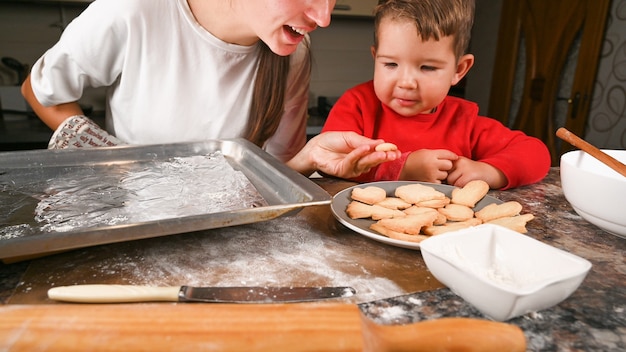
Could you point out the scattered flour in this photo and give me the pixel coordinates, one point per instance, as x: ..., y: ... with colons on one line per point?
x: 392, y: 313
x: 280, y: 252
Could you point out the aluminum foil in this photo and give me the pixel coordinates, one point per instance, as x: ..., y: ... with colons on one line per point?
x: 105, y: 195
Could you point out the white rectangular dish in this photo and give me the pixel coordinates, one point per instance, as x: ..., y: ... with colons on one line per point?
x: 503, y: 273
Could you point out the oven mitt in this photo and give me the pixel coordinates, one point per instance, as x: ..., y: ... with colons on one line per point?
x: 79, y: 132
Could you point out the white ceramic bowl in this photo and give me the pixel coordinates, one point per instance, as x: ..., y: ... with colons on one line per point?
x: 595, y: 191
x: 503, y: 273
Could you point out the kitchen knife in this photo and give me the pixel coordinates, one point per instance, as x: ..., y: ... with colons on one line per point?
x: 131, y: 293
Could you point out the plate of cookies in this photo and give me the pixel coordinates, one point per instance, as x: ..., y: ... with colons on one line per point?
x: 404, y: 213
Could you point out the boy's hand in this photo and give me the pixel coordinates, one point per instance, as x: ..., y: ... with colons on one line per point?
x: 428, y: 165
x: 466, y: 170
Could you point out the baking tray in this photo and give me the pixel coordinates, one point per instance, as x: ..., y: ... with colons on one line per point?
x: 284, y: 191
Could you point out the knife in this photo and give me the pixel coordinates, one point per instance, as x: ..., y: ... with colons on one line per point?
x: 132, y: 293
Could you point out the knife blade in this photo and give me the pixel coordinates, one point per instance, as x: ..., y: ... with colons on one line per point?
x: 101, y: 293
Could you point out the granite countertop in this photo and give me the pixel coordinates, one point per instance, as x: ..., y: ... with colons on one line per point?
x: 592, y: 319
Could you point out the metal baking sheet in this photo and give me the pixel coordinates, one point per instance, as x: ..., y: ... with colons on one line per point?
x: 283, y: 190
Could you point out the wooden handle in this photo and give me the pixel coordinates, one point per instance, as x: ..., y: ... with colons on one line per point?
x: 580, y: 143
x: 113, y: 293
x: 445, y: 334
x: 238, y: 327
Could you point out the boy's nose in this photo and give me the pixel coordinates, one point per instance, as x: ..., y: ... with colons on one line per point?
x: 408, y: 82
x: 320, y: 12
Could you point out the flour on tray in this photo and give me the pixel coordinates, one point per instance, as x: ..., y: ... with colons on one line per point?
x: 105, y: 195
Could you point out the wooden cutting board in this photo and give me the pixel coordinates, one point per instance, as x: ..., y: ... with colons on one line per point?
x: 226, y: 327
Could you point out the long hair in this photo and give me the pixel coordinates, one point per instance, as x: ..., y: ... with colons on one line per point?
x: 268, y: 97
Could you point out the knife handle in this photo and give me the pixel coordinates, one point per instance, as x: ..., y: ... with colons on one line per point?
x: 113, y: 293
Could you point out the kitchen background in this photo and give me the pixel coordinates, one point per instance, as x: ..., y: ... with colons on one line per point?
x: 341, y: 55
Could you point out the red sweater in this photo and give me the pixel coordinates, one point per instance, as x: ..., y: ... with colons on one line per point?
x: 454, y: 126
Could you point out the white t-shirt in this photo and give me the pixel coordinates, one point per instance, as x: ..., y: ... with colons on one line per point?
x: 169, y: 79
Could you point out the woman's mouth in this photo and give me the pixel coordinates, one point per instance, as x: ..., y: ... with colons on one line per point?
x: 295, y: 32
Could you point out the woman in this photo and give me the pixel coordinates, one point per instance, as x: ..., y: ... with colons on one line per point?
x: 187, y: 70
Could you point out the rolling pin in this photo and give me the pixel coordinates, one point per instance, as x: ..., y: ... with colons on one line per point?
x: 236, y: 327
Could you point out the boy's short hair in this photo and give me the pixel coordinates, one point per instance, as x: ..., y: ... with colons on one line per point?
x: 433, y: 19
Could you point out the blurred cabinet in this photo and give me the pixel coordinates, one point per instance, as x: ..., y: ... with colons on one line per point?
x: 545, y: 67
x: 355, y: 8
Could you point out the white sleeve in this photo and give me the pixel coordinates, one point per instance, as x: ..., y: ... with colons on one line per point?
x: 290, y: 136
x: 89, y: 54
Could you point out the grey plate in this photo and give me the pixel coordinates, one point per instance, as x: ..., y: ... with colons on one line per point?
x: 284, y: 190
x: 342, y: 199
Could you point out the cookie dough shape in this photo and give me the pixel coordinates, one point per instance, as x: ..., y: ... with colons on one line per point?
x: 369, y: 195
x: 471, y: 193
x: 358, y: 210
x: 416, y: 193
x: 495, y: 211
x: 386, y: 147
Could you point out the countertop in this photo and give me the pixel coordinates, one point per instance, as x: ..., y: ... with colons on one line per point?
x: 398, y: 289
x: 21, y: 131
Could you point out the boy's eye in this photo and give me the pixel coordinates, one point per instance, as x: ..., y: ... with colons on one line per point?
x: 390, y: 64
x: 429, y: 68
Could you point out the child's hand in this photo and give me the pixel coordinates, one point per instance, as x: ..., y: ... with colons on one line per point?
x: 466, y: 170
x: 428, y: 165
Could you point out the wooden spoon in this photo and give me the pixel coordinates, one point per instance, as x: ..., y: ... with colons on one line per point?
x: 239, y: 327
x: 578, y: 142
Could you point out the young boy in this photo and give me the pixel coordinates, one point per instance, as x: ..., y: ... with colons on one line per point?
x: 419, y: 53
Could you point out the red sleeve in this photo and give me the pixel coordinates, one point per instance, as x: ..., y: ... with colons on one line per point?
x: 354, y: 111
x: 523, y: 159
x: 360, y: 111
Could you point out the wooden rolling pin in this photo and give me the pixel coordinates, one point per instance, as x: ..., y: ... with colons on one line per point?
x: 233, y: 327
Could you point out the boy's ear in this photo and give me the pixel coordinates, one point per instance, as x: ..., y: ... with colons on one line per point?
x: 373, y: 51
x: 462, y: 67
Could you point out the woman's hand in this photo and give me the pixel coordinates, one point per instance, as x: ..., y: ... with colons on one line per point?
x: 340, y: 154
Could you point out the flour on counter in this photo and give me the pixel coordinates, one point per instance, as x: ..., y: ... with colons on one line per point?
x: 280, y: 252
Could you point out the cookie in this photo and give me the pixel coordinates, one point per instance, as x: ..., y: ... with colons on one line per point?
x: 434, y: 203
x: 386, y: 147
x: 369, y: 195
x: 414, y: 210
x: 415, y: 193
x: 397, y: 235
x: 494, y: 211
x: 394, y: 203
x: 358, y: 210
x: 385, y: 213
x: 411, y: 224
x: 470, y: 194
x: 457, y: 212
x: 515, y: 223
x: 450, y: 226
